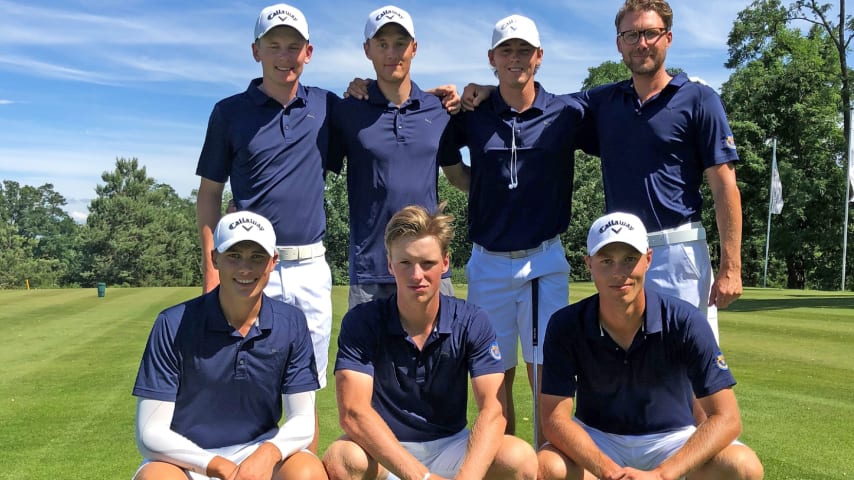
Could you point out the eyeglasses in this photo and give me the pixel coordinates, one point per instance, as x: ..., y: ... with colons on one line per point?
x: 632, y: 37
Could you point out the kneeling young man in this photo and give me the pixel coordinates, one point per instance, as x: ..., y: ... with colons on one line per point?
x: 402, y: 368
x: 219, y: 369
x: 633, y: 358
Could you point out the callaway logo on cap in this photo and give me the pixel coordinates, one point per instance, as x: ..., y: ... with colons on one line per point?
x: 617, y: 227
x: 515, y: 26
x: 385, y: 15
x: 240, y: 226
x: 281, y: 14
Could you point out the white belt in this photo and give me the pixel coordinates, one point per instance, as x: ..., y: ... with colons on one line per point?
x: 688, y: 232
x: 302, y: 252
x: 520, y: 253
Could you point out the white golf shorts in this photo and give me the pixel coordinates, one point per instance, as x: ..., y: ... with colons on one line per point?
x: 684, y: 270
x: 307, y: 284
x: 500, y: 283
x: 442, y: 457
x: 235, y: 453
x: 644, y: 452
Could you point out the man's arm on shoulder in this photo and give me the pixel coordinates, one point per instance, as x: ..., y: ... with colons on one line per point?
x: 586, y: 134
x: 363, y: 425
x: 156, y: 440
x: 474, y: 95
x: 727, y: 199
x: 459, y: 175
x: 570, y: 438
x: 450, y: 158
x: 721, y: 427
x: 208, y: 213
x: 358, y: 88
x: 487, y: 432
x: 337, y: 151
x: 450, y: 97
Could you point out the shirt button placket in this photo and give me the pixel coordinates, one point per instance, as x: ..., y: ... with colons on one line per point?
x: 398, y: 122
x: 240, y: 364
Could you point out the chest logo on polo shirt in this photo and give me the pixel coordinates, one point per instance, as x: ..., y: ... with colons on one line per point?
x: 721, y: 362
x: 495, y: 351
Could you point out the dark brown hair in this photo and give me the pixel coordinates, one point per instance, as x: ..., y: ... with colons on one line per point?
x: 661, y: 7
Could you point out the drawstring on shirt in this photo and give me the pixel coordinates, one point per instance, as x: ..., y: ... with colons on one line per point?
x: 514, y: 174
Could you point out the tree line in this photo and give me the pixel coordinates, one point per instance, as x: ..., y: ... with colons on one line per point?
x: 788, y: 82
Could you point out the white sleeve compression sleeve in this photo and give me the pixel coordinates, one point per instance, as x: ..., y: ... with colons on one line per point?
x: 298, y: 430
x: 156, y: 440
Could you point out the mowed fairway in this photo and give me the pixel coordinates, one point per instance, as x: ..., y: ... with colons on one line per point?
x: 68, y: 361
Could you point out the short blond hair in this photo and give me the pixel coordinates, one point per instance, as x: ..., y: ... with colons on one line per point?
x: 661, y: 7
x: 416, y: 221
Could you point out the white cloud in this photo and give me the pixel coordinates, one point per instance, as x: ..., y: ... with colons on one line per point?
x: 54, y: 71
x: 77, y: 214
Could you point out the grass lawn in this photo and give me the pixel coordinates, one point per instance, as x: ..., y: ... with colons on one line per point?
x: 69, y: 359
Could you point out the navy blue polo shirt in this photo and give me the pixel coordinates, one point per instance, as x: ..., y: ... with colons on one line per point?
x: 501, y: 217
x: 274, y: 157
x: 392, y: 162
x: 645, y: 389
x: 654, y: 155
x: 227, y: 388
x: 421, y: 394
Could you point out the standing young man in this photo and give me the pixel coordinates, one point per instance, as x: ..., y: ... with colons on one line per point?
x: 657, y: 136
x: 619, y: 374
x: 671, y: 133
x: 522, y: 144
x: 402, y: 370
x: 270, y: 143
x: 391, y: 143
x: 210, y: 393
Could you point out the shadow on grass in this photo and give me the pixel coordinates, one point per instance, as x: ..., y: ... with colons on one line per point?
x: 792, y: 301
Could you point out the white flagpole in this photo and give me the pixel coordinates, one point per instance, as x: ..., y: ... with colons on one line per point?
x: 847, y: 195
x: 770, y: 207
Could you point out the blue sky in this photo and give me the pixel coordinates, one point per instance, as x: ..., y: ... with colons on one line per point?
x: 85, y: 82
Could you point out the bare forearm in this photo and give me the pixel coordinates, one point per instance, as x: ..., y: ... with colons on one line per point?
x: 711, y: 436
x: 459, y: 175
x: 727, y: 285
x: 486, y: 436
x: 370, y: 431
x: 208, y: 213
x: 570, y: 438
x: 220, y: 467
x: 260, y: 464
x: 728, y: 217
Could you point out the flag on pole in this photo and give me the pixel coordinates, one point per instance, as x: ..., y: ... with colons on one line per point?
x: 776, y: 189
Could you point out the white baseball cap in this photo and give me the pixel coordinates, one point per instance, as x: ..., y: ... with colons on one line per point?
x: 239, y: 226
x: 515, y: 26
x: 281, y: 14
x: 388, y: 14
x: 617, y: 227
